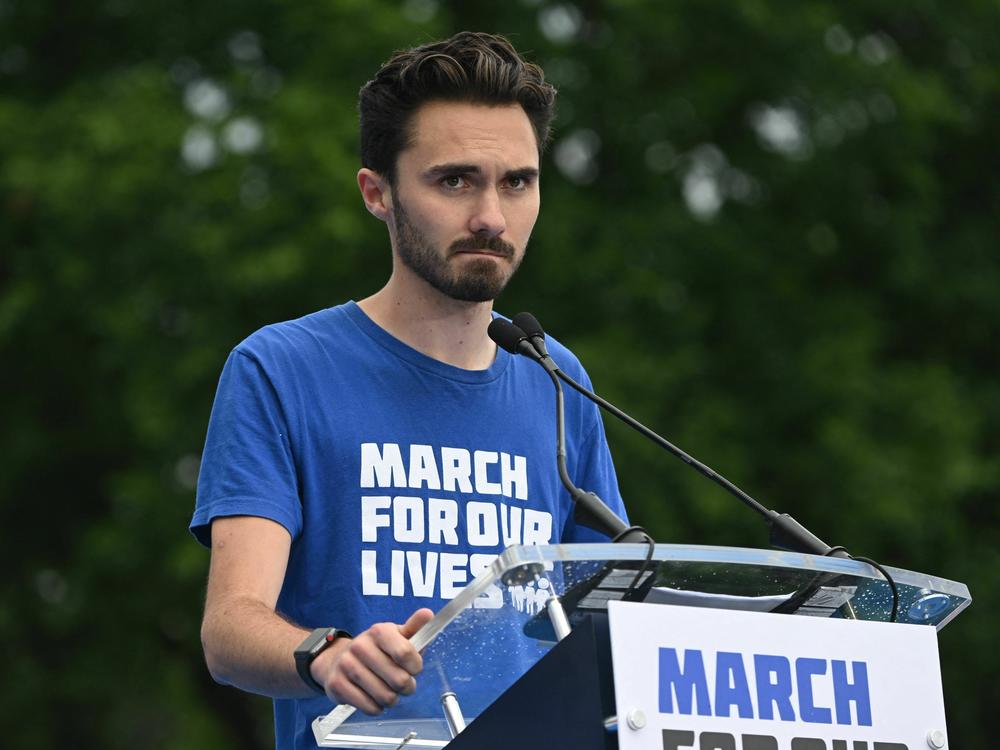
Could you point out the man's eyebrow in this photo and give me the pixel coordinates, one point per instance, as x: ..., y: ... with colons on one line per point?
x: 443, y: 170
x: 524, y: 173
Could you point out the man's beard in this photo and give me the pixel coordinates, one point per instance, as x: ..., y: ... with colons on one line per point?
x: 480, y: 280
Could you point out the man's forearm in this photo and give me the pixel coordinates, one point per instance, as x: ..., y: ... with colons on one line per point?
x: 251, y: 647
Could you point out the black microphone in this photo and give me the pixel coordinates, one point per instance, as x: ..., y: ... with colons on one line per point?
x: 510, y: 337
x: 530, y: 325
x: 591, y: 511
x: 786, y: 532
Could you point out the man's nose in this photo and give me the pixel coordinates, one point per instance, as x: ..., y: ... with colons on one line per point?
x: 488, y: 216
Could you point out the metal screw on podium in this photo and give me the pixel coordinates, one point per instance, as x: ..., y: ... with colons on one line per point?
x: 936, y: 739
x: 635, y: 719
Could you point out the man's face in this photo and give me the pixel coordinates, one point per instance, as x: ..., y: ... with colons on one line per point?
x: 466, y: 197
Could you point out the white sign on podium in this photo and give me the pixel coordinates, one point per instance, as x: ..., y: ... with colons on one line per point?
x: 726, y: 680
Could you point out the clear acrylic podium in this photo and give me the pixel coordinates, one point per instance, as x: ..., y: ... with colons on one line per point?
x: 483, y: 652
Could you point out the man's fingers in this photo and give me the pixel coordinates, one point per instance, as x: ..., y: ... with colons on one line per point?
x: 348, y: 692
x: 378, y: 666
x: 394, y: 642
x: 389, y: 656
x: 417, y: 620
x: 405, y: 655
x: 359, y: 678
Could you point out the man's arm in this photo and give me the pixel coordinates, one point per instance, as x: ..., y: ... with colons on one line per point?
x: 248, y: 645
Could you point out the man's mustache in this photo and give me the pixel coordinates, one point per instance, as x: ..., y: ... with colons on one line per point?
x: 493, y: 244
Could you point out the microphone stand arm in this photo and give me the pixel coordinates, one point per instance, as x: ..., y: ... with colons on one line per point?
x: 786, y: 532
x: 591, y: 511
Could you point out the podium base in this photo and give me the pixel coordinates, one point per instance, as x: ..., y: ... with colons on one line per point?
x: 560, y: 702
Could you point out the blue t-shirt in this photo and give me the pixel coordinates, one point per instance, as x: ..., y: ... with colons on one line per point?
x: 399, y: 477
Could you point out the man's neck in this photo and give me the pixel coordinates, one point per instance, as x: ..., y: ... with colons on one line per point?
x: 447, y: 330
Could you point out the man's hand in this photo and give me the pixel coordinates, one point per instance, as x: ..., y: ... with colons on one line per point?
x: 371, y: 670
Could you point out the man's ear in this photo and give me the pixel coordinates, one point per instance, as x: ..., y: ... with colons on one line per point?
x: 375, y: 192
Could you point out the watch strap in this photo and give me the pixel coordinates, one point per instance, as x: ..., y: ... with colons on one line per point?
x: 315, y: 643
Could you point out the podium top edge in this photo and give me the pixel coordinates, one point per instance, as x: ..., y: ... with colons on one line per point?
x: 526, y: 554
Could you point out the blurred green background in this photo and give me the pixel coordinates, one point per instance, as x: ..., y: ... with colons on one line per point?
x: 768, y: 229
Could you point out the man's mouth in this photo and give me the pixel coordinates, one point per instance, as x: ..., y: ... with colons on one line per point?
x: 490, y: 253
x: 491, y: 246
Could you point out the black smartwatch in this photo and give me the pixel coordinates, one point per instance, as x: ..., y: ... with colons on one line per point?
x: 315, y: 644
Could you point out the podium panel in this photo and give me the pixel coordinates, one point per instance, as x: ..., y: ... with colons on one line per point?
x: 690, y: 678
x: 479, y: 645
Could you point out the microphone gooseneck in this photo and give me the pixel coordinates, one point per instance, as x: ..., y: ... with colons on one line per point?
x: 786, y: 532
x: 591, y: 511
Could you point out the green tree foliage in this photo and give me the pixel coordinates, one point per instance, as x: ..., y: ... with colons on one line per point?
x: 768, y: 229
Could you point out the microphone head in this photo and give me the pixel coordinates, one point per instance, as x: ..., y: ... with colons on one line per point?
x: 506, y: 335
x: 530, y: 325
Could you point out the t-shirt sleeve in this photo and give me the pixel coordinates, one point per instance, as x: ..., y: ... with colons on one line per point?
x: 247, y: 468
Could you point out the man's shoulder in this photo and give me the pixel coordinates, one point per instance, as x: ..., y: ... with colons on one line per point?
x: 301, y: 336
x: 568, y: 361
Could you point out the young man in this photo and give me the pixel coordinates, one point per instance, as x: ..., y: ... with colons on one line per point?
x: 365, y: 462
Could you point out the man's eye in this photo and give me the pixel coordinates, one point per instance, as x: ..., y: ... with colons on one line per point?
x: 453, y: 181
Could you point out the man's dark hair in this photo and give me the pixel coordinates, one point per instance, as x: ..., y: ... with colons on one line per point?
x: 469, y: 67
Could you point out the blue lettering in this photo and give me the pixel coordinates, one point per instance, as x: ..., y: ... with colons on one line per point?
x: 774, y: 686
x: 845, y: 693
x: 686, y: 690
x: 731, y: 686
x: 805, y: 669
x: 689, y: 684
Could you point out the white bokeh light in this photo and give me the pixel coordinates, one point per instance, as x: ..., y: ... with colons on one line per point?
x: 875, y: 49
x: 243, y: 135
x: 701, y: 186
x: 560, y: 23
x: 702, y: 194
x: 576, y: 156
x: 199, y: 149
x: 206, y: 99
x: 780, y: 129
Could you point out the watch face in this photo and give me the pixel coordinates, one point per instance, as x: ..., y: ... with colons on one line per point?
x: 326, y: 637
x: 314, y: 643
